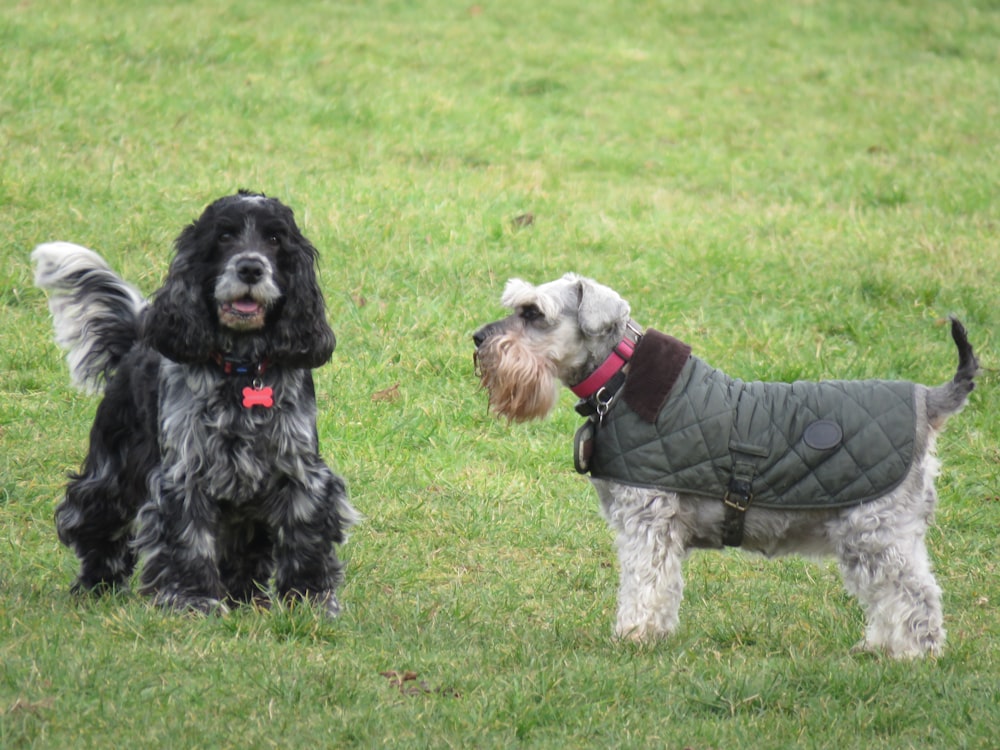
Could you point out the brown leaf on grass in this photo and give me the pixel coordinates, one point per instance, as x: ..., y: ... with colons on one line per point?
x: 408, y: 684
x: 21, y: 706
x: 523, y: 220
x: 387, y: 394
x: 396, y: 679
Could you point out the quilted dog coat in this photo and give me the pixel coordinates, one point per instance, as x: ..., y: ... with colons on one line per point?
x: 681, y: 425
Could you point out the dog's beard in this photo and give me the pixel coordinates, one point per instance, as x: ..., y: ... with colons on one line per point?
x: 521, y: 385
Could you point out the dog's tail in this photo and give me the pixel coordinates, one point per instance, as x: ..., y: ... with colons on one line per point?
x: 949, y: 398
x: 95, y: 313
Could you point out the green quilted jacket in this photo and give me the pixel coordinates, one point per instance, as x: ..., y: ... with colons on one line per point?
x: 679, y: 424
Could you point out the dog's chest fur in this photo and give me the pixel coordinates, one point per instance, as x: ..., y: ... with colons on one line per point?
x: 236, y: 454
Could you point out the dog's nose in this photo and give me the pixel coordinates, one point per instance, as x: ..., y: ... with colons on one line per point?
x: 488, y: 330
x: 250, y: 270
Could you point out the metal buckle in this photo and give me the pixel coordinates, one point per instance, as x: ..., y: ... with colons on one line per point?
x: 602, y: 407
x: 741, y: 504
x: 738, y: 495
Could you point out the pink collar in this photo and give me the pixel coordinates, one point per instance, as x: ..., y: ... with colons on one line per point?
x: 618, y: 358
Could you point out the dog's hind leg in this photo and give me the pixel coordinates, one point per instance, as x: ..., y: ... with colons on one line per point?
x: 902, y: 602
x: 95, y: 517
x: 885, y: 564
x: 94, y: 521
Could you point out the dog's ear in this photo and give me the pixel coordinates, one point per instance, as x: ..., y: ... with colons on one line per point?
x: 517, y: 292
x: 601, y: 312
x: 301, y: 336
x: 179, y: 323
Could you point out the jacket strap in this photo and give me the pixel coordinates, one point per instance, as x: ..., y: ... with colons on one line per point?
x: 737, y: 499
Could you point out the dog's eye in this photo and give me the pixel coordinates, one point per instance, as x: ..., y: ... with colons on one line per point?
x: 272, y: 234
x: 530, y: 313
x: 226, y: 236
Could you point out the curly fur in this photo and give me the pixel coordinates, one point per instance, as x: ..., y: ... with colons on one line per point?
x: 566, y: 328
x: 213, y: 499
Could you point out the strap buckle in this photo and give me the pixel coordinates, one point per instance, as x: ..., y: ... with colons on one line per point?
x: 738, y: 495
x: 737, y: 499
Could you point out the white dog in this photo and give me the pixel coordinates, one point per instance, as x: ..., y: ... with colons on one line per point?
x: 683, y: 456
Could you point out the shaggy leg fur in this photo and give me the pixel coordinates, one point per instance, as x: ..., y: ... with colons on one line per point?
x: 95, y: 517
x: 180, y: 551
x: 307, y: 565
x: 901, y: 600
x: 884, y: 561
x: 651, y: 552
x: 186, y: 566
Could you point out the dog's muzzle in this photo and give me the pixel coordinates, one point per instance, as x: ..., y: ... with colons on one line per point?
x: 245, y: 291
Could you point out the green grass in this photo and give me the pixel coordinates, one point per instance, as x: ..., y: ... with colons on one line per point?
x: 798, y: 189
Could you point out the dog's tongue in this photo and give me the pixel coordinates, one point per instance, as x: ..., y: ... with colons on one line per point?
x: 246, y: 306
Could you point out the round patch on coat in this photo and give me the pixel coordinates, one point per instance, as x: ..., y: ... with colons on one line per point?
x: 822, y: 435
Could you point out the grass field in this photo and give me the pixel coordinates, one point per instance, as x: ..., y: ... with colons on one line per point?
x: 798, y: 189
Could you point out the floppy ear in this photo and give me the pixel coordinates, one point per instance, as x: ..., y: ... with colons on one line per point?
x: 301, y: 336
x: 601, y: 311
x: 179, y: 323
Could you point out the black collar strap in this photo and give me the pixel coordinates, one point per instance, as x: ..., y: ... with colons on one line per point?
x: 232, y: 366
x: 586, y: 407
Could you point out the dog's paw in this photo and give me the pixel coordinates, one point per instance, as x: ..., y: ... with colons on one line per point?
x: 83, y: 587
x: 325, y: 602
x: 330, y: 605
x: 191, y: 604
x: 927, y: 648
x: 639, y: 634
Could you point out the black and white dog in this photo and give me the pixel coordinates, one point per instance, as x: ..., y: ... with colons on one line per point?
x: 203, y: 463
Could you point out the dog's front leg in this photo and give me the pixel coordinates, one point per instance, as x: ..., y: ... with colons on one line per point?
x: 315, y: 515
x: 651, y: 552
x: 651, y: 587
x: 177, y: 545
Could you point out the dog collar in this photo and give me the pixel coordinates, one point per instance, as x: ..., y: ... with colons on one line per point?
x: 618, y: 358
x: 231, y: 366
x: 255, y: 394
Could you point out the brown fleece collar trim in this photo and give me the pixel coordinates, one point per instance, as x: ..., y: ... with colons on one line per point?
x: 652, y: 372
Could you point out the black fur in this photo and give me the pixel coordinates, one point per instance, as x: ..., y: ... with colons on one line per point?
x: 297, y: 335
x: 968, y: 363
x: 214, y: 497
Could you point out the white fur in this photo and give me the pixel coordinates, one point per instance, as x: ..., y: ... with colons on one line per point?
x: 59, y: 266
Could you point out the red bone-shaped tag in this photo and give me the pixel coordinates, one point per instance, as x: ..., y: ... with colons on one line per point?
x: 262, y: 396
